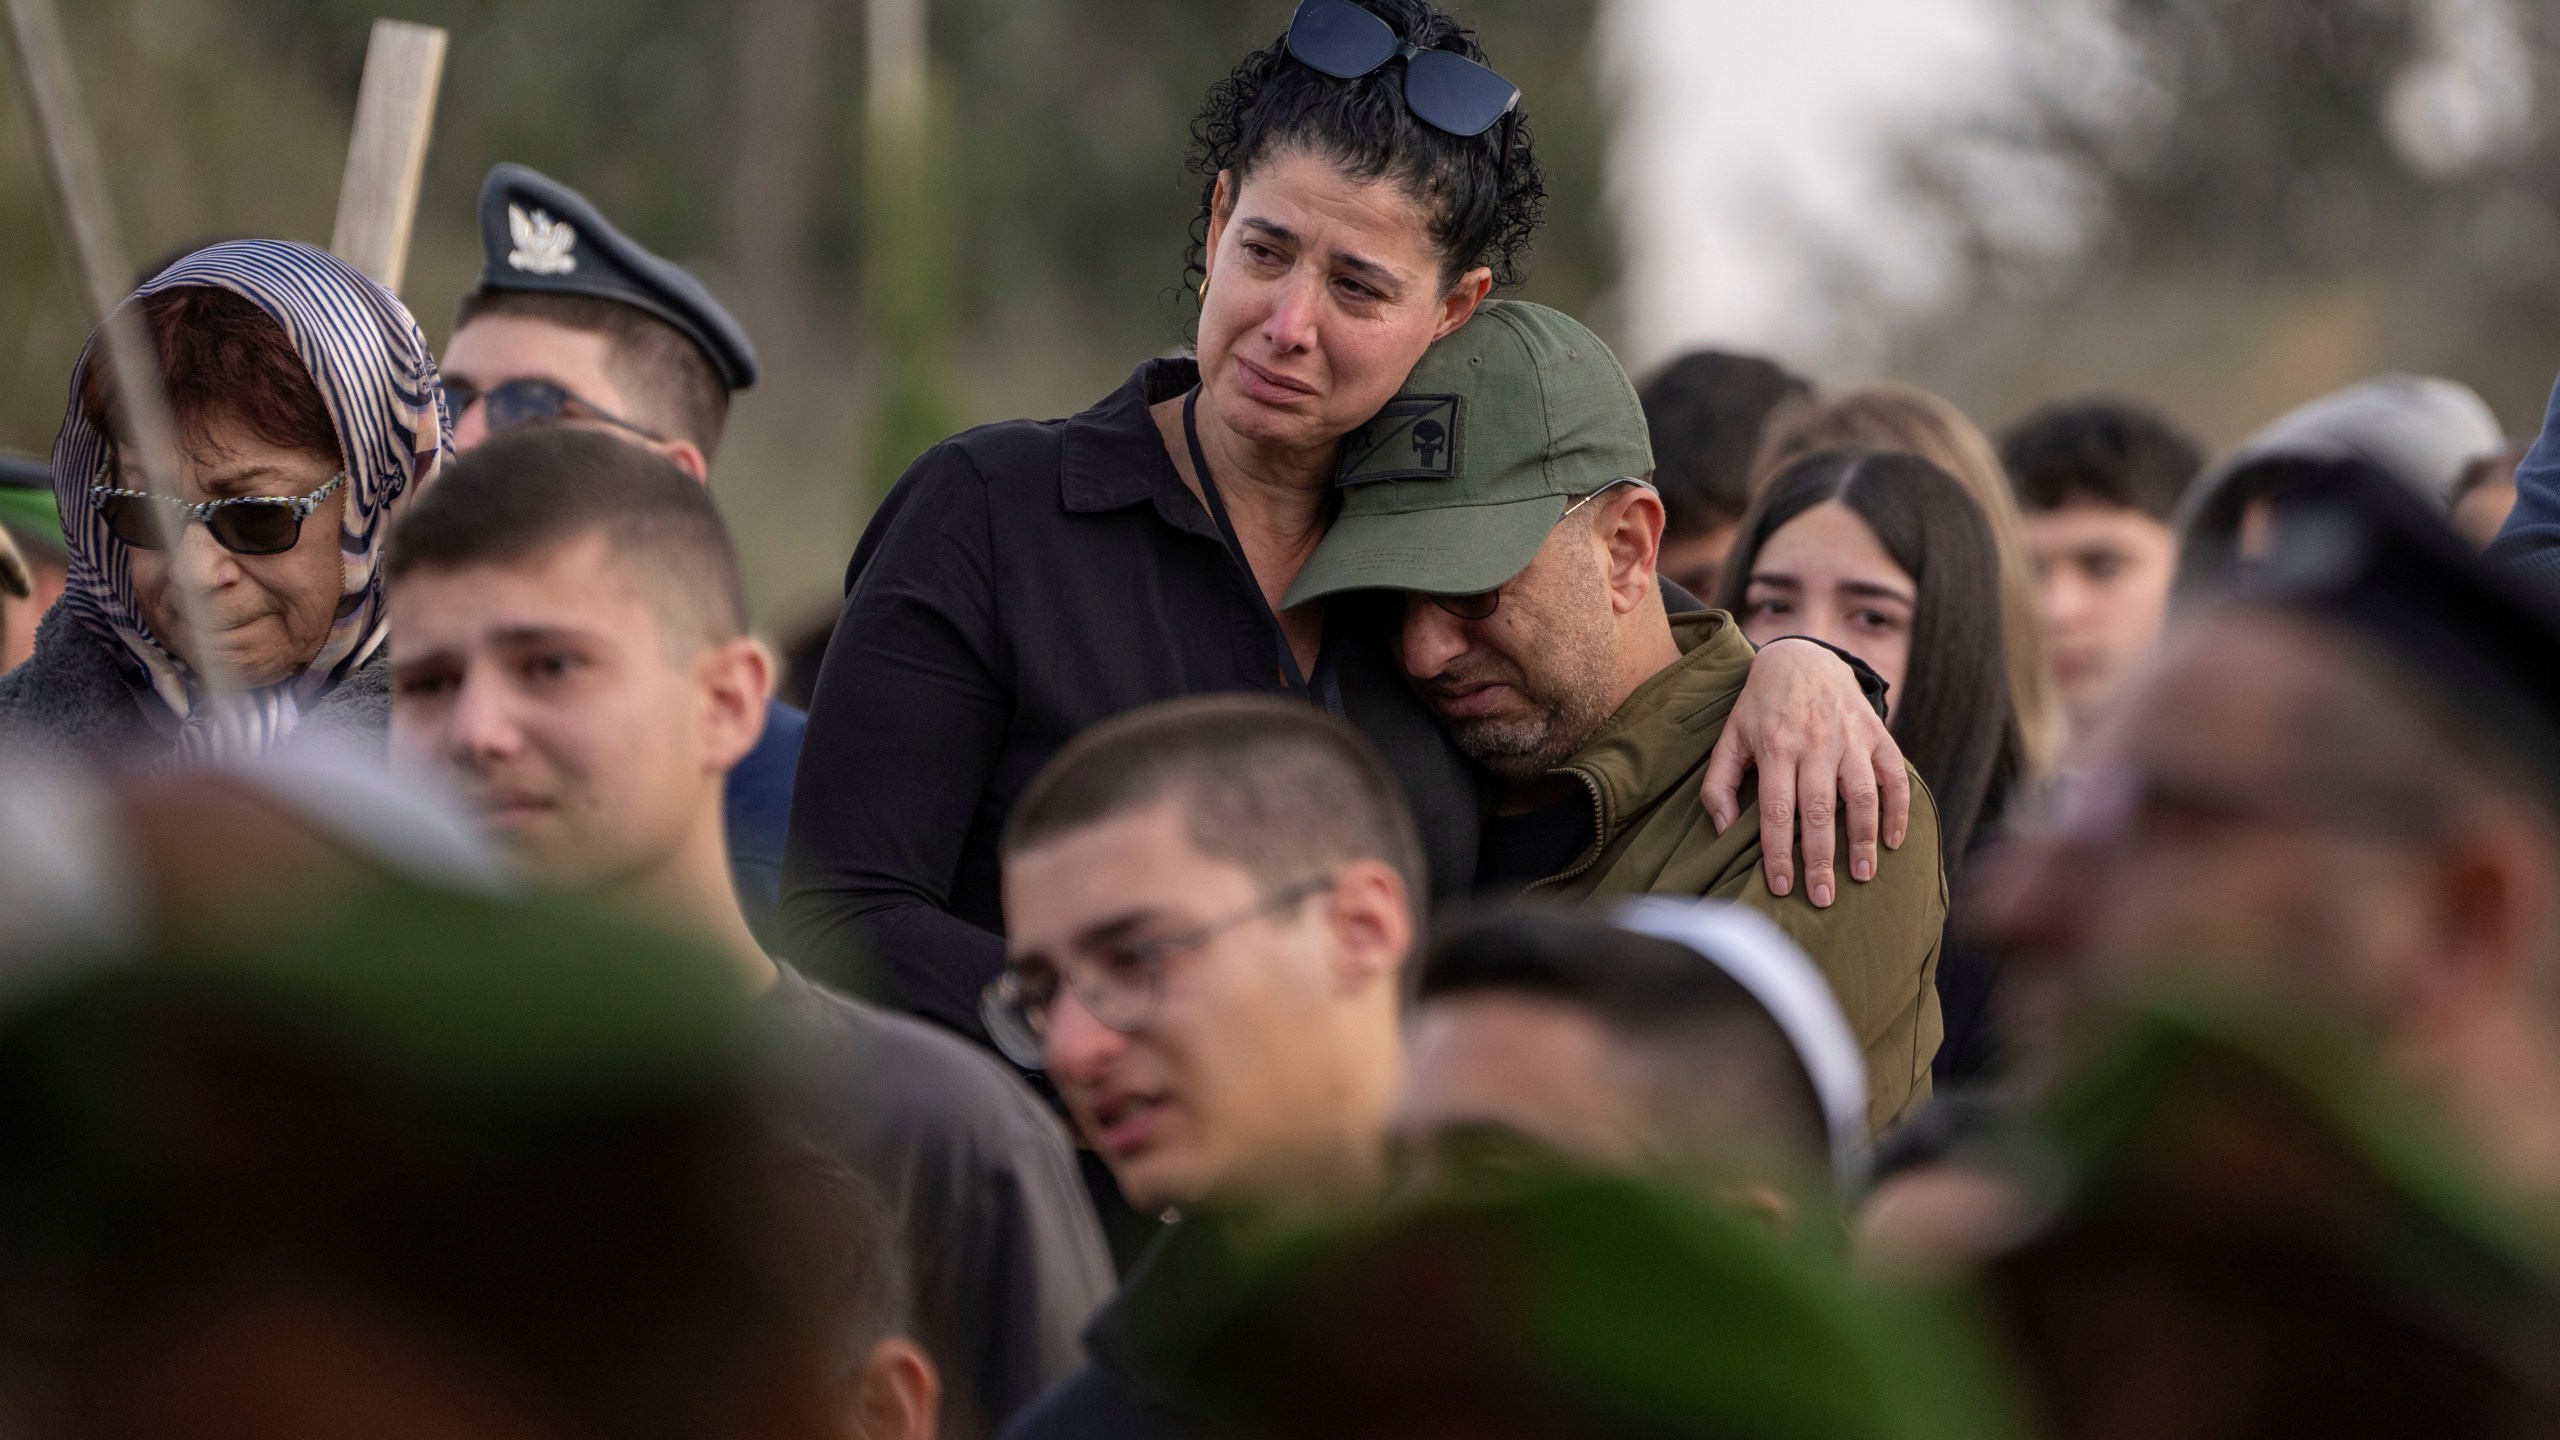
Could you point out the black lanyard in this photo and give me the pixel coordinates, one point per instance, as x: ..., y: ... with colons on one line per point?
x: 1295, y: 680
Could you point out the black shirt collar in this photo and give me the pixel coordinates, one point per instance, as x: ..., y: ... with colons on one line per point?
x: 1112, y: 454
x: 1143, y: 1336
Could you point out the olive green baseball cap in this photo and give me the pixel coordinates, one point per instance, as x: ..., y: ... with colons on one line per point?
x: 1453, y: 487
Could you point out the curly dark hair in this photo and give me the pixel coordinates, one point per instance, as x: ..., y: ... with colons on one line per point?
x: 1482, y: 211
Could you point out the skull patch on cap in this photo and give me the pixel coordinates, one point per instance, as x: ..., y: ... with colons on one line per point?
x: 1416, y: 437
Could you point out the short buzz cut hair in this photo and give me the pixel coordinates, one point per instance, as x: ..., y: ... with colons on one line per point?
x: 658, y: 364
x: 2100, y: 452
x: 1279, y: 788
x: 531, y: 491
x: 852, y: 1269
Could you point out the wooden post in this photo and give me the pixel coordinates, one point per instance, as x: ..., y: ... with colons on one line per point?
x: 395, y: 116
x: 908, y: 286
x: 78, y: 177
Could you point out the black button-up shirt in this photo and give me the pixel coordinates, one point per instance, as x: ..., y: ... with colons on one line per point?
x: 1021, y: 582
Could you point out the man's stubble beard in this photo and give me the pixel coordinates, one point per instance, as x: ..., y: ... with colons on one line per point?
x: 1564, y: 701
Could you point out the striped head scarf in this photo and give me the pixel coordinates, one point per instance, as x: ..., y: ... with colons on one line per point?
x: 378, y: 382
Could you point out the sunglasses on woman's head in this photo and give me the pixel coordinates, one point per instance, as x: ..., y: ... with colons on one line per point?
x: 1444, y: 90
x: 243, y: 525
x: 530, y: 402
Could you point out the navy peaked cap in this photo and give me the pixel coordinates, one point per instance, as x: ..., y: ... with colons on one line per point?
x: 537, y: 234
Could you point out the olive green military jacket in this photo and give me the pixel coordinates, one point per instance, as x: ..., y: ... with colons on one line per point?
x: 1877, y: 943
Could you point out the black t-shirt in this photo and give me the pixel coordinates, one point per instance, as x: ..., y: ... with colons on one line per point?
x: 1521, y: 850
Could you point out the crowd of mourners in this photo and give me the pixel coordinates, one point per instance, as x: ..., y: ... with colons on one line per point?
x: 1382, y: 880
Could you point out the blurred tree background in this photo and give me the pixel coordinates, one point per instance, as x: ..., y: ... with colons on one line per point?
x: 2280, y: 196
x: 2224, y: 206
x: 1015, y: 256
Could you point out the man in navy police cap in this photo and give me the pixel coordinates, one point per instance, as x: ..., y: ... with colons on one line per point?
x: 574, y: 323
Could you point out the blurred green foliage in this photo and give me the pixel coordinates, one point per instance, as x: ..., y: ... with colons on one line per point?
x: 729, y: 134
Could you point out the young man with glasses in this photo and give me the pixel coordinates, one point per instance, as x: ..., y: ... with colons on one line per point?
x: 573, y: 323
x: 1209, y: 903
x: 1505, y: 492
x: 572, y: 658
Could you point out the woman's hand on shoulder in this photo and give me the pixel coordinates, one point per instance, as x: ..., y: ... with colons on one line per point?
x: 1802, y: 721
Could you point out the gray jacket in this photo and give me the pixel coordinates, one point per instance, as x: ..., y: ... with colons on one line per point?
x: 70, y: 702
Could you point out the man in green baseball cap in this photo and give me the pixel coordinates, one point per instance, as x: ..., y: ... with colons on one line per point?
x: 1506, y: 492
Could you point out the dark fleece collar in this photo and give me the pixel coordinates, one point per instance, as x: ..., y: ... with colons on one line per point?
x: 69, y: 701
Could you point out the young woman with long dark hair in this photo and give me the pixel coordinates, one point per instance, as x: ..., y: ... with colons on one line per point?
x: 1888, y: 557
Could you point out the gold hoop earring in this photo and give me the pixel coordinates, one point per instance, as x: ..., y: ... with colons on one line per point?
x: 1204, y: 289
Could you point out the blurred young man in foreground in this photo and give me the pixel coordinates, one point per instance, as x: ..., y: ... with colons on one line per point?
x: 573, y: 660
x: 1209, y: 904
x: 1693, y: 1043
x: 394, y: 1162
x: 2333, y: 795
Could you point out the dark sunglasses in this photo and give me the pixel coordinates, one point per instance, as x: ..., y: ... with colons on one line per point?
x: 1443, y: 90
x: 530, y: 402
x: 243, y: 525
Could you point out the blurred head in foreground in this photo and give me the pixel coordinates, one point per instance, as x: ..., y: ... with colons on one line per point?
x: 883, y: 1384
x: 2100, y: 482
x: 1690, y: 1042
x: 406, y: 1163
x: 1208, y: 905
x: 2335, y: 788
x: 1558, y: 1306
x: 572, y: 659
x: 1707, y: 412
x: 2252, y: 1236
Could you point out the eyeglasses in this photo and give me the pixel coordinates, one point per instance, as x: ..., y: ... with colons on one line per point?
x: 531, y: 402
x: 1117, y: 985
x: 1482, y: 604
x: 243, y: 525
x: 1444, y: 90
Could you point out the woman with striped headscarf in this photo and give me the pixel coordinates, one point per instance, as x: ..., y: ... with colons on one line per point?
x: 307, y: 411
